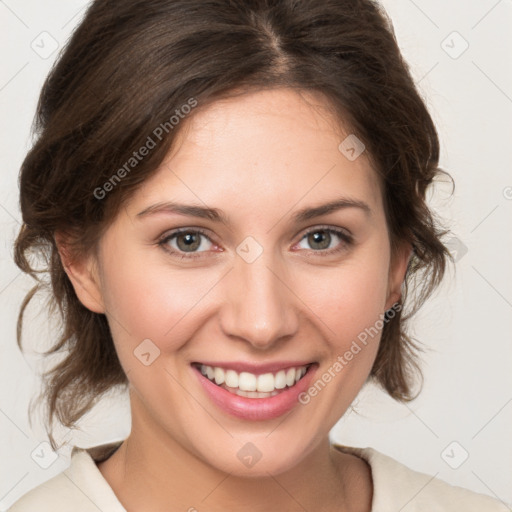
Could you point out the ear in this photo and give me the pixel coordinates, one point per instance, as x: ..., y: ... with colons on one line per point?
x: 397, y: 270
x: 83, y: 274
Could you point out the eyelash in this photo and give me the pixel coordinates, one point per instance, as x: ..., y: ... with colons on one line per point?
x: 345, y: 237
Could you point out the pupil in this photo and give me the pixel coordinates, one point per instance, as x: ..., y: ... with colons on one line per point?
x: 191, y: 242
x: 320, y: 237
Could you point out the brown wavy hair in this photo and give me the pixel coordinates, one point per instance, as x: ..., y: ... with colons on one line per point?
x: 130, y: 66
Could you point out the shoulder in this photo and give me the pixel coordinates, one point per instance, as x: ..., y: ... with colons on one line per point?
x: 54, y: 494
x: 397, y: 487
x: 80, y: 488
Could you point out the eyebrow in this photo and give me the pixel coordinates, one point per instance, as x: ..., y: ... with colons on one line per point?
x: 217, y: 215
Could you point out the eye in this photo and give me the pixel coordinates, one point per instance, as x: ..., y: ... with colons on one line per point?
x: 326, y: 241
x: 190, y: 243
x: 186, y: 242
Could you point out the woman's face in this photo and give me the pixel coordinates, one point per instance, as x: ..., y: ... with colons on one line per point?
x: 255, y: 284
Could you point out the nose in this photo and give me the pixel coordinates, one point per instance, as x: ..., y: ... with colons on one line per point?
x: 262, y: 307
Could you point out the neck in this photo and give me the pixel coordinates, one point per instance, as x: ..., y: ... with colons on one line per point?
x: 153, y: 471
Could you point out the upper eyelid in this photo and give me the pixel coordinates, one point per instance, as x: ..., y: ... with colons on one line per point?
x: 325, y: 227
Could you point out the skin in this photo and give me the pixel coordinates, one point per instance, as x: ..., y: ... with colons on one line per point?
x: 259, y: 157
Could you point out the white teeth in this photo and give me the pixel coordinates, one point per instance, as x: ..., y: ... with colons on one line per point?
x: 280, y: 379
x: 218, y: 373
x: 251, y: 385
x: 247, y: 381
x: 255, y: 394
x: 231, y: 379
x: 265, y: 382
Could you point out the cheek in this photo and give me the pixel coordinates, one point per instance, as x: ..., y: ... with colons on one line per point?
x: 150, y: 300
x: 348, y: 303
x: 348, y: 299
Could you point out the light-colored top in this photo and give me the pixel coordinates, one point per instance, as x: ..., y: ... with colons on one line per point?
x: 82, y: 487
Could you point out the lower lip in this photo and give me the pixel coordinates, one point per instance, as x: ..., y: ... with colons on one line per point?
x: 256, y: 409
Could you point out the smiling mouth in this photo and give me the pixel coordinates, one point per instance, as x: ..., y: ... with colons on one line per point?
x: 250, y: 385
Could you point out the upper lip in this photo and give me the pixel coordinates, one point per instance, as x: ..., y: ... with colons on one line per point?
x: 256, y: 369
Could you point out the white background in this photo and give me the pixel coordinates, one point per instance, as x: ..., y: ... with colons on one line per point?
x: 466, y: 328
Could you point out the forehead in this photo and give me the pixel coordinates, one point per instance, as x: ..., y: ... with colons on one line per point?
x: 261, y: 151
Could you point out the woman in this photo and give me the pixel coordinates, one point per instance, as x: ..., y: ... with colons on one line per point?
x: 230, y: 196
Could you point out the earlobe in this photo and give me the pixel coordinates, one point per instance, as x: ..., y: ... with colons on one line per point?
x: 397, y: 272
x: 83, y: 274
